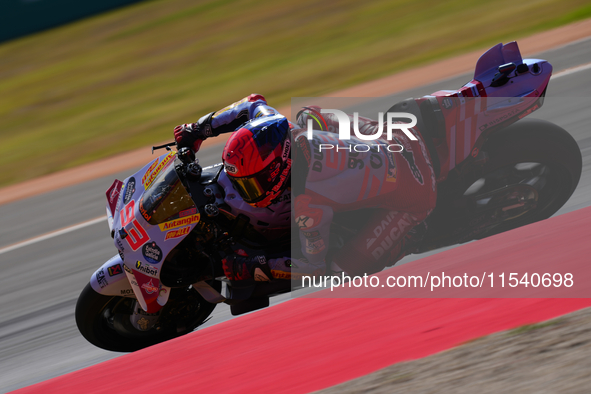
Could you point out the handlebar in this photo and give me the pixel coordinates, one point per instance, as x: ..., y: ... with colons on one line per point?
x: 167, y: 146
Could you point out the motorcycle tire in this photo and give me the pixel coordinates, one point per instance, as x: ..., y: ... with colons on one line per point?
x: 105, y: 320
x: 555, y: 160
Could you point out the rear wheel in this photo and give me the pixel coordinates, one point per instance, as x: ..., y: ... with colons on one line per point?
x: 106, y: 321
x: 530, y: 170
x: 538, y: 155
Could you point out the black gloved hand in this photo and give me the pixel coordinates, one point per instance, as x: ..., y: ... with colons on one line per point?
x: 188, y: 136
x: 192, y: 135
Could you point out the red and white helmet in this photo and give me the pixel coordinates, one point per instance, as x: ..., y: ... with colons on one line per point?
x: 257, y: 159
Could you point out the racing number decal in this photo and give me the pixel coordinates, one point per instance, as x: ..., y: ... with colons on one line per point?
x: 127, y: 213
x: 137, y: 236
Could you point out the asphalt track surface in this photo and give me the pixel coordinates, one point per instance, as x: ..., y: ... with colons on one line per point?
x: 40, y: 282
x: 311, y: 343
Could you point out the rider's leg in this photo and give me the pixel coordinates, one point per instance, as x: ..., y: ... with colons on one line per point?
x: 378, y: 244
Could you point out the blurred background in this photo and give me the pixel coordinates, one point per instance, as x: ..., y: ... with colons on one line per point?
x: 110, y: 76
x: 85, y: 80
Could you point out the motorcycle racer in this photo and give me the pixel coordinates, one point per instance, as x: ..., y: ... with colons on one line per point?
x: 399, y: 188
x: 395, y: 189
x: 257, y: 160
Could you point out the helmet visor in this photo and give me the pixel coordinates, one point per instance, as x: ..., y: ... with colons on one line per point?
x: 254, y: 188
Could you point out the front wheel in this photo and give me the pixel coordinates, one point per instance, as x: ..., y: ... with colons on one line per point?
x: 117, y: 323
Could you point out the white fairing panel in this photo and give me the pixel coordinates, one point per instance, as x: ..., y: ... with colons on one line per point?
x: 110, y: 279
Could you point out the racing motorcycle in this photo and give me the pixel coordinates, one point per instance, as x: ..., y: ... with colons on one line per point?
x: 173, y: 221
x: 495, y: 170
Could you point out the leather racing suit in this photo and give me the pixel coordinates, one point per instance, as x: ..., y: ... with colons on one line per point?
x: 397, y: 188
x: 392, y: 181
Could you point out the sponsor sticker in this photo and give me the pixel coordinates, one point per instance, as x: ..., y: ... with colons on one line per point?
x: 305, y: 222
x: 115, y: 270
x: 188, y: 212
x: 306, y: 216
x: 144, y: 212
x: 447, y: 103
x: 176, y: 223
x: 314, y: 246
x: 120, y: 247
x: 528, y: 111
x: 146, y: 269
x: 178, y: 233
x: 149, y: 287
x: 275, y: 171
x: 392, y: 171
x: 100, y: 278
x: 155, y: 169
x: 129, y: 190
x: 113, y: 195
x: 286, y: 149
x: 230, y: 169
x: 152, y: 253
x: 149, y: 171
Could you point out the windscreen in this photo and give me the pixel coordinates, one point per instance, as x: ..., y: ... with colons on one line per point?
x: 165, y: 198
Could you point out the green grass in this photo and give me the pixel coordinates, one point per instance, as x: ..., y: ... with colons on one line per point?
x: 124, y: 79
x: 536, y: 326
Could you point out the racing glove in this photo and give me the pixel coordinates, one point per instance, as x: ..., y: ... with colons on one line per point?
x: 192, y: 135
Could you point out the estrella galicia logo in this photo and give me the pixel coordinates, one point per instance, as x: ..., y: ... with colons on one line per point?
x: 152, y: 253
x: 129, y: 190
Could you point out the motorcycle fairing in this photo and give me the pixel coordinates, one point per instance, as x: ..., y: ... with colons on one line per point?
x: 113, y: 200
x: 478, y: 108
x: 144, y: 246
x: 535, y: 79
x: 494, y: 57
x: 110, y: 279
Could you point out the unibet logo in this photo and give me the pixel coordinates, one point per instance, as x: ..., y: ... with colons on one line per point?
x: 146, y: 269
x: 179, y: 222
